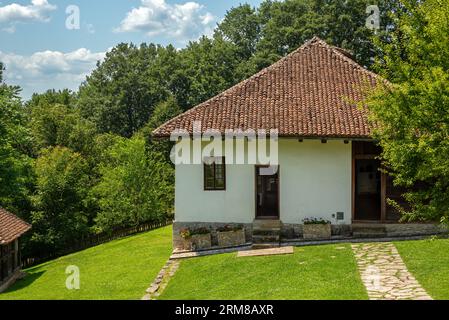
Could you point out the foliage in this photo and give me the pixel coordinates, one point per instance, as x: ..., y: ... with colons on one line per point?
x: 60, y: 215
x: 163, y: 112
x: 242, y: 27
x: 60, y: 125
x: 15, y: 165
x: 200, y: 231
x: 51, y: 97
x: 134, y: 187
x: 316, y: 221
x: 229, y: 228
x: 277, y: 28
x: 411, y: 113
x: 122, y: 91
x: 185, y: 233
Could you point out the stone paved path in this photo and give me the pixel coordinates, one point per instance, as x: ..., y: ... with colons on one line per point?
x: 161, y: 281
x: 385, y: 275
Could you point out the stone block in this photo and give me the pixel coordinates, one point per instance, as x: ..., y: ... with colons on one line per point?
x: 231, y: 238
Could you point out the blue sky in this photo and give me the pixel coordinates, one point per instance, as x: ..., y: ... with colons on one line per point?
x: 40, y: 52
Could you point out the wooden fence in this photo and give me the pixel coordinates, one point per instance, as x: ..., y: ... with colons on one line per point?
x: 94, y: 240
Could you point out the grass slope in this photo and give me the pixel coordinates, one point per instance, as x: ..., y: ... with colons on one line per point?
x: 120, y: 269
x: 321, y: 272
x: 428, y: 261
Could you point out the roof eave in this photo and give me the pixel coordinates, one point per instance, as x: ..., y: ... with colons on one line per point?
x: 297, y: 136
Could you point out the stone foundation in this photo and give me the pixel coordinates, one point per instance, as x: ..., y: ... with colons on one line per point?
x: 413, y: 229
x: 178, y: 241
x: 295, y: 231
x: 17, y: 274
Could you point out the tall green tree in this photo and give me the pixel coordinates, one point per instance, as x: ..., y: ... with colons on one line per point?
x: 341, y: 23
x: 163, y: 112
x: 210, y: 65
x: 15, y: 165
x: 120, y: 94
x: 52, y: 97
x: 136, y: 186
x: 60, y: 215
x: 242, y: 27
x: 412, y: 113
x: 54, y: 124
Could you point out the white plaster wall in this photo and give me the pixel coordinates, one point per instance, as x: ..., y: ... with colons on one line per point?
x: 236, y: 204
x: 315, y: 181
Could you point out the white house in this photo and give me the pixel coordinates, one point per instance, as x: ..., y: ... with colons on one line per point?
x: 326, y: 166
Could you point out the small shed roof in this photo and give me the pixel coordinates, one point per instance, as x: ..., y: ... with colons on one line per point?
x: 11, y: 227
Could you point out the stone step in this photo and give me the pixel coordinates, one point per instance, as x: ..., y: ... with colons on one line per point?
x: 266, y: 232
x: 368, y: 228
x: 266, y: 239
x: 369, y: 231
x: 369, y: 235
x: 258, y: 246
x: 267, y: 224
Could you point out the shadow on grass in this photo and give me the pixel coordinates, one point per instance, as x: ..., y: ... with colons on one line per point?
x: 25, y: 282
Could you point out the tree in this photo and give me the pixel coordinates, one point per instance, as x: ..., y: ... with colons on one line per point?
x: 341, y: 23
x: 52, y: 97
x: 135, y: 186
x: 60, y: 216
x: 120, y: 94
x: 15, y: 165
x: 162, y: 113
x: 210, y: 65
x: 54, y: 124
x: 242, y: 27
x: 412, y: 113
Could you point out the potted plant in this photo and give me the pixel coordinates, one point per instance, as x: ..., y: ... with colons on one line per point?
x: 317, y: 229
x: 197, y: 239
x: 231, y: 236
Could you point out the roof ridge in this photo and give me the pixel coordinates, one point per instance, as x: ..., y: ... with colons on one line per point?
x: 351, y: 61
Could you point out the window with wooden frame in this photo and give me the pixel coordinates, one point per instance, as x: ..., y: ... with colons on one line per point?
x: 214, y: 174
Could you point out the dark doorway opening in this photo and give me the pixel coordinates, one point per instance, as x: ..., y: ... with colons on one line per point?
x: 267, y: 193
x: 368, y: 198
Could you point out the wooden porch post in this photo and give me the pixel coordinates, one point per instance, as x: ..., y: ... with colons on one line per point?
x: 383, y: 197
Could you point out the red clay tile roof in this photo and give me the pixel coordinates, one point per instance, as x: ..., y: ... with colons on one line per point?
x: 309, y: 93
x: 11, y: 227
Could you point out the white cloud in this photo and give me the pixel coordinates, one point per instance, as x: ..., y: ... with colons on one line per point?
x: 49, y: 69
x: 13, y: 13
x: 181, y: 22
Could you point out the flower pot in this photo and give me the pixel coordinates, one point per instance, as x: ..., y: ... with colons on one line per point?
x: 231, y: 238
x: 317, y: 231
x: 200, y: 241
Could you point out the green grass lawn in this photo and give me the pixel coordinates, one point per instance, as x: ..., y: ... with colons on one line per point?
x: 123, y: 269
x: 321, y: 272
x: 428, y: 261
x: 120, y: 269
